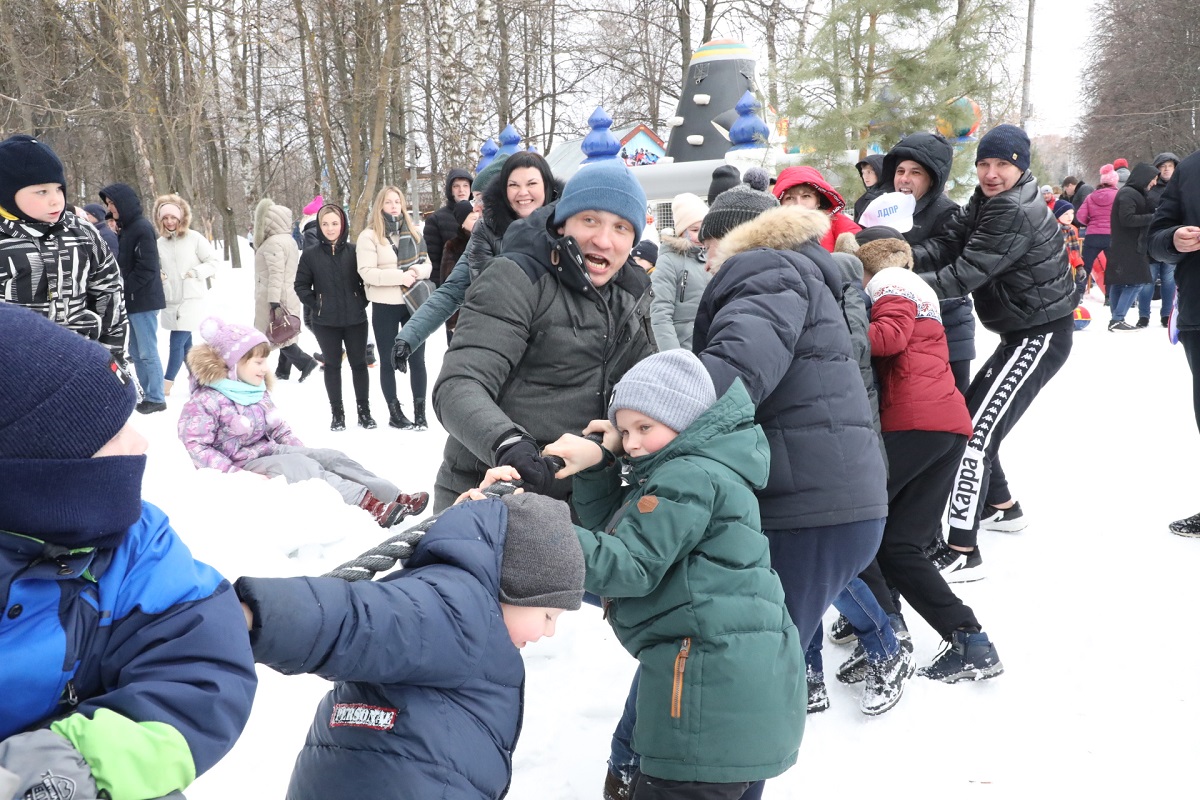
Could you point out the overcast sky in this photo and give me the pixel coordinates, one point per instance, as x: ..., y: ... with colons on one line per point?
x: 1060, y: 37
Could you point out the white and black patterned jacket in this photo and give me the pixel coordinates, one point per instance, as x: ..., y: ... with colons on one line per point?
x: 66, y: 273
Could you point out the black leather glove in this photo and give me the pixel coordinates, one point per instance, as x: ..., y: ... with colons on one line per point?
x: 400, y: 354
x: 537, y: 472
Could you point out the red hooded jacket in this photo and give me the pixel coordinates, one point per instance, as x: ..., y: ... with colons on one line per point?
x: 796, y: 176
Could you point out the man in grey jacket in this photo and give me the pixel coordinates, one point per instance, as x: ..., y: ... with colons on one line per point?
x: 545, y: 333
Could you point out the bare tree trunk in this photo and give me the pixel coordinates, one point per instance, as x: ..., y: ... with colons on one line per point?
x: 1026, y: 106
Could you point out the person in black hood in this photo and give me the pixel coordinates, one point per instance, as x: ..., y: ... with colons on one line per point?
x: 137, y: 256
x: 440, y: 226
x: 95, y: 215
x: 869, y: 169
x: 328, y: 284
x: 920, y: 165
x: 1162, y: 275
x: 1128, y: 266
x: 1005, y: 248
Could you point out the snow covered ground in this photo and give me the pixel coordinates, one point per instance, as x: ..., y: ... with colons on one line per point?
x: 1100, y: 692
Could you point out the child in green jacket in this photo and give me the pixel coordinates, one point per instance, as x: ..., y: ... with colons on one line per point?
x: 680, y: 560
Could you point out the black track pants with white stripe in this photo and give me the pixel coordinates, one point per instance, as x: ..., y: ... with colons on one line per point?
x: 999, y: 395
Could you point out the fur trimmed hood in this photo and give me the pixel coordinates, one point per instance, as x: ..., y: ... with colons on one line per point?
x: 185, y: 221
x: 679, y: 245
x: 783, y: 228
x: 271, y: 220
x: 207, y: 367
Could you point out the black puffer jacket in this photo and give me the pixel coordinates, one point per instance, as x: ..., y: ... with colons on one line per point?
x: 1128, y: 262
x: 537, y: 351
x: 137, y: 251
x: 771, y: 317
x: 1008, y: 253
x: 875, y: 162
x: 933, y: 211
x: 328, y: 283
x: 440, y: 226
x: 1180, y: 206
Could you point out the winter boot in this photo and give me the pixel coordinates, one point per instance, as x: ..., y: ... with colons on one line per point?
x: 818, y: 695
x: 842, y: 632
x: 1143, y: 322
x: 1166, y: 321
x: 855, y: 668
x: 339, y: 419
x: 885, y: 682
x: 967, y: 656
x: 389, y: 514
x: 364, y: 417
x: 307, y: 369
x: 1005, y: 520
x: 370, y: 354
x: 419, y: 423
x: 1189, y: 527
x: 396, y: 418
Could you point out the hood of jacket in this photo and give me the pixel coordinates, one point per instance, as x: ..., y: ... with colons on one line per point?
x: 786, y: 228
x: 271, y: 220
x: 875, y: 162
x: 534, y: 238
x: 725, y: 433
x: 795, y: 176
x: 681, y: 246
x: 343, y: 237
x: 453, y: 175
x: 126, y: 200
x: 931, y: 151
x: 1141, y: 175
x: 185, y: 221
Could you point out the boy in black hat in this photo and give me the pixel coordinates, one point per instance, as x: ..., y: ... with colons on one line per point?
x: 51, y: 261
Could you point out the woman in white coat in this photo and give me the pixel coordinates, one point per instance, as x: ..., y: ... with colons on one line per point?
x: 188, y: 261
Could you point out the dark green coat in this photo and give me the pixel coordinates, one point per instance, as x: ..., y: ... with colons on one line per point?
x: 685, y: 571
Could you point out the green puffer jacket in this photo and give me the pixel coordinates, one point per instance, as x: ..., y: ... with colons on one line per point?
x: 685, y: 571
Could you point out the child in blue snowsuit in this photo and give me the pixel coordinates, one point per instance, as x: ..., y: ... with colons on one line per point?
x: 429, y: 677
x: 124, y: 661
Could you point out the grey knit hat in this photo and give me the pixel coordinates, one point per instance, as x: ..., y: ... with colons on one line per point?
x: 733, y: 207
x: 672, y: 387
x: 543, y: 561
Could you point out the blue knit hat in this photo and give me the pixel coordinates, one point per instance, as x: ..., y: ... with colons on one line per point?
x: 604, y: 186
x: 1007, y: 143
x: 62, y: 396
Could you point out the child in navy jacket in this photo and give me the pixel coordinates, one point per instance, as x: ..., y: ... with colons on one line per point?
x: 124, y: 663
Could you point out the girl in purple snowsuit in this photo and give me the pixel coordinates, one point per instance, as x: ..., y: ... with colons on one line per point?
x: 230, y: 424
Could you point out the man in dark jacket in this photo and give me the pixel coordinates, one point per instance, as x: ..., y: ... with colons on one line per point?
x: 546, y: 331
x: 920, y: 165
x: 137, y: 256
x: 440, y: 226
x: 1162, y: 274
x: 870, y: 169
x: 1076, y: 191
x: 1175, y: 239
x: 1005, y: 248
x: 1128, y: 267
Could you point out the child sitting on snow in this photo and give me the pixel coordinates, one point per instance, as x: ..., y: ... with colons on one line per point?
x: 229, y: 423
x: 429, y: 675
x: 680, y: 558
x: 158, y: 676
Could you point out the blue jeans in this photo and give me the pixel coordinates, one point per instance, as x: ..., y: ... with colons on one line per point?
x: 181, y: 343
x: 1121, y: 297
x: 143, y: 352
x: 1166, y: 274
x: 621, y: 757
x: 870, y: 622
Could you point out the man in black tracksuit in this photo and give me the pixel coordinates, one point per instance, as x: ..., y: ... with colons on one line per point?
x: 1004, y: 248
x: 1175, y: 239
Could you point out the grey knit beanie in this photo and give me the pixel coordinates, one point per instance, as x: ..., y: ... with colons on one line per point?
x: 543, y: 560
x: 733, y: 207
x: 672, y: 387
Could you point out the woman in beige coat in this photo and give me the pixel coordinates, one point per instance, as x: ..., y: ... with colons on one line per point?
x: 391, y: 258
x: 275, y: 260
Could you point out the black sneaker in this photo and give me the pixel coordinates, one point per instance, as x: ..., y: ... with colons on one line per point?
x: 147, y: 407
x: 1143, y: 322
x: 842, y: 632
x: 959, y: 567
x: 967, y: 656
x: 854, y: 669
x: 818, y: 695
x: 1189, y: 527
x: 1005, y: 520
x: 885, y: 682
x: 1120, y: 325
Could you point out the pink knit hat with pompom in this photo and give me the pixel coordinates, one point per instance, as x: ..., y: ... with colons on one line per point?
x: 231, y: 341
x: 1108, y: 176
x: 314, y: 205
